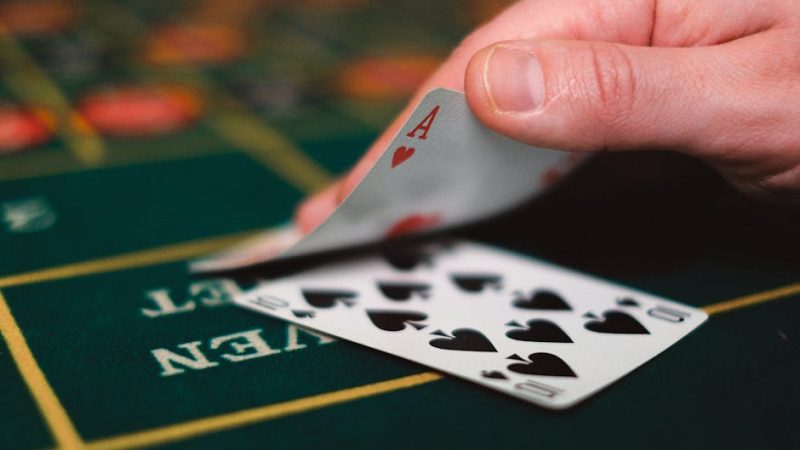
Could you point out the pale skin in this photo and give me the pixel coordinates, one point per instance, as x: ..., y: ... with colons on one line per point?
x: 718, y: 80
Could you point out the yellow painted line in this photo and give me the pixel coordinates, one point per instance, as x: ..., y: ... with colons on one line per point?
x: 52, y: 410
x: 245, y: 417
x: 49, y: 166
x: 753, y: 299
x: 266, y: 145
x: 159, y: 255
x: 272, y: 149
x: 231, y: 121
x: 32, y: 84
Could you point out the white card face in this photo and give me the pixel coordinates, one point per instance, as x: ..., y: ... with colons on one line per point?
x: 443, y: 168
x: 535, y: 331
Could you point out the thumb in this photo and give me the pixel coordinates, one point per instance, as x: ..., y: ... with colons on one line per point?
x: 579, y: 95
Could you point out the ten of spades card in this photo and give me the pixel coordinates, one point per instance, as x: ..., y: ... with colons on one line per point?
x: 521, y: 326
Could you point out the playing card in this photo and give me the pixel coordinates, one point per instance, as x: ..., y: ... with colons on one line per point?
x: 443, y: 168
x: 518, y: 325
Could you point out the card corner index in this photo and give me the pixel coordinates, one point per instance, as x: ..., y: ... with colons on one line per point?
x: 260, y: 299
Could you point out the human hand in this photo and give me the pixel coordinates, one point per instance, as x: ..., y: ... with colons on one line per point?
x: 715, y: 79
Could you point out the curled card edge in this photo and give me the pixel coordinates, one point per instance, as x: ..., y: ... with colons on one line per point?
x: 264, y: 246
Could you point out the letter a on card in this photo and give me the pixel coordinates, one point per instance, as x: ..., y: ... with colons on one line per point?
x: 425, y: 125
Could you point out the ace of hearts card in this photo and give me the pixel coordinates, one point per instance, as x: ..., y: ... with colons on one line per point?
x: 443, y: 168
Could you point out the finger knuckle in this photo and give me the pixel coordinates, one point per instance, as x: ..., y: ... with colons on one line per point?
x: 610, y: 80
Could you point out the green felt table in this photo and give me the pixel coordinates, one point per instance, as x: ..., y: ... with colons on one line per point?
x: 95, y: 289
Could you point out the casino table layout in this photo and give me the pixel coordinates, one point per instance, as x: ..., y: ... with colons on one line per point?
x: 138, y: 135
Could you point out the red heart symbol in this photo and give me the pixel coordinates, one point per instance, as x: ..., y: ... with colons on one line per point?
x: 401, y: 155
x: 413, y: 223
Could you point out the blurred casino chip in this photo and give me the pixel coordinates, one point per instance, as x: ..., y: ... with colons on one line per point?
x: 383, y: 78
x: 129, y: 111
x: 23, y: 128
x: 195, y: 44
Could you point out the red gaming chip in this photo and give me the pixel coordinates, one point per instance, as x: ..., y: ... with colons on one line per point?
x: 194, y: 43
x: 21, y: 129
x: 140, y: 110
x: 385, y: 77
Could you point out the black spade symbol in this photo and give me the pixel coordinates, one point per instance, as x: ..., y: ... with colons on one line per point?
x: 403, y: 291
x: 540, y: 330
x: 327, y: 299
x: 303, y: 314
x: 396, y: 320
x: 616, y: 322
x: 627, y: 301
x: 407, y: 259
x: 493, y: 374
x: 545, y: 364
x: 545, y: 300
x: 476, y: 282
x: 464, y: 339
